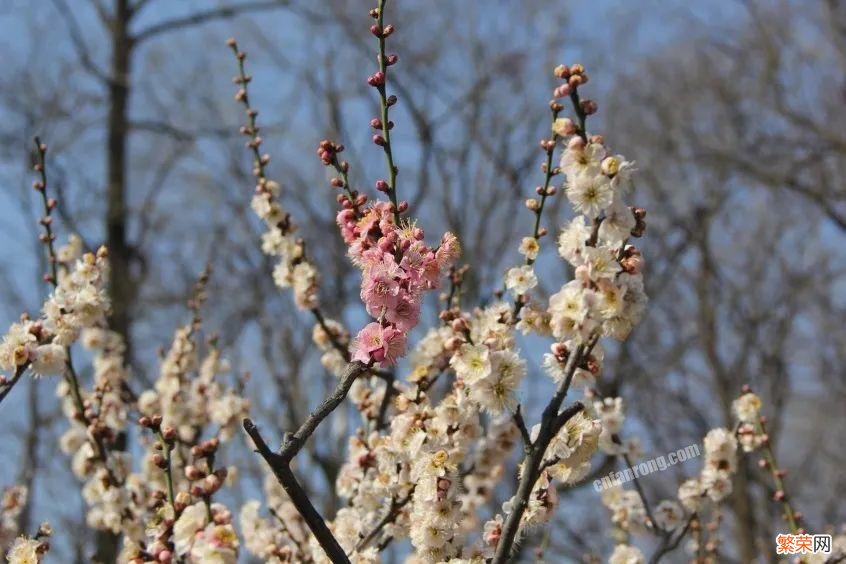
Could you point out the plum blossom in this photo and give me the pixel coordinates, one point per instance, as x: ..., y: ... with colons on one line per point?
x: 379, y: 343
x: 397, y: 267
x: 521, y: 279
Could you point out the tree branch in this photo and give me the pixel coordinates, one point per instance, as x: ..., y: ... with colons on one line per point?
x: 78, y: 40
x: 280, y: 462
x: 197, y: 18
x: 7, y: 385
x: 279, y: 467
x: 294, y: 443
x: 390, y: 517
x: 668, y: 544
x: 551, y: 423
x: 521, y: 426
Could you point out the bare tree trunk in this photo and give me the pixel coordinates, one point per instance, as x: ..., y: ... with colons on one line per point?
x: 741, y: 504
x: 122, y: 287
x: 30, y: 463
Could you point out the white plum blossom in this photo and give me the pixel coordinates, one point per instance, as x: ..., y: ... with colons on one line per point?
x: 625, y: 554
x: 747, y: 408
x: 669, y: 515
x: 590, y: 194
x: 521, y: 279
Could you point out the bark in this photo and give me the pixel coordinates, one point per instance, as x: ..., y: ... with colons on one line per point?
x: 122, y: 286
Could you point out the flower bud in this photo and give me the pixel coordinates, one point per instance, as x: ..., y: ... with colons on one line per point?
x: 212, y: 483
x: 193, y: 473
x: 589, y: 107
x: 376, y: 79
x: 576, y: 144
x: 459, y: 325
x: 169, y: 434
x: 562, y: 90
x: 564, y: 127
x: 159, y: 461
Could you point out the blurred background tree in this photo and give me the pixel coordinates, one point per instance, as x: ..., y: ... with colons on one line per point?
x: 732, y: 110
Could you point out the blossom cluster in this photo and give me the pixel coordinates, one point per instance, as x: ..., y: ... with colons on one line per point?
x: 293, y: 269
x: 12, y: 502
x: 88, y: 441
x: 433, y: 449
x: 78, y: 301
x: 188, y: 402
x: 607, y: 291
x: 397, y: 267
x: 492, y: 369
x: 18, y: 548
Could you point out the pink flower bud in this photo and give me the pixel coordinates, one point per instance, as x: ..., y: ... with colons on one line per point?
x: 562, y: 91
x: 376, y: 79
x: 576, y: 144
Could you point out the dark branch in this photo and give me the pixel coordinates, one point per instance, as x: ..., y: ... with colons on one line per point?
x: 668, y: 543
x: 521, y: 426
x: 279, y: 467
x: 390, y: 517
x: 78, y: 39
x: 198, y: 18
x: 293, y: 443
x: 551, y: 423
x: 381, y: 418
x: 280, y: 462
x: 7, y: 386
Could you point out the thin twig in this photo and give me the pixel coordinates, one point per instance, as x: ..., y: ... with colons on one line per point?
x: 640, y: 492
x: 521, y: 426
x: 294, y: 442
x: 383, y: 111
x: 7, y: 385
x: 390, y: 517
x: 668, y: 544
x: 205, y: 16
